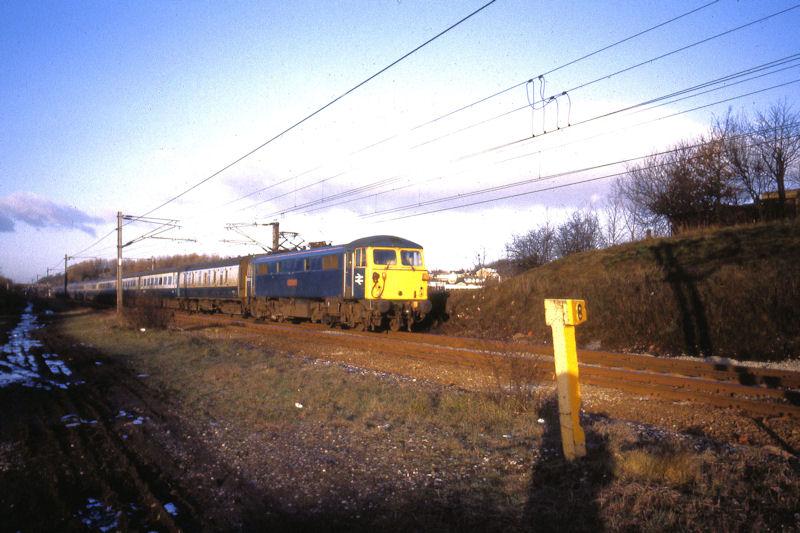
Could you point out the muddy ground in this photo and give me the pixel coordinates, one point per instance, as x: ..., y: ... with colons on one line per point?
x: 210, y: 429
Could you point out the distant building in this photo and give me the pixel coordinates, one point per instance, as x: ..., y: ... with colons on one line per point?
x: 460, y: 280
x: 486, y: 273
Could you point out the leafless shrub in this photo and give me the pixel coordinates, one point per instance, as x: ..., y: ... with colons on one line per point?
x: 148, y: 313
x: 580, y: 233
x: 516, y: 383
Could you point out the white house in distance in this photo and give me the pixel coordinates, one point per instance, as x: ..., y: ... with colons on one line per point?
x: 461, y: 280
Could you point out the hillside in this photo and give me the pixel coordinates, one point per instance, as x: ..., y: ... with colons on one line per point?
x: 731, y: 292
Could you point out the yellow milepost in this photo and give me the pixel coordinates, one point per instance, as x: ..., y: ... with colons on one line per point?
x: 562, y: 316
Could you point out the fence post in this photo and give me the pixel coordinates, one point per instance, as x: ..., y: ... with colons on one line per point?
x: 562, y: 316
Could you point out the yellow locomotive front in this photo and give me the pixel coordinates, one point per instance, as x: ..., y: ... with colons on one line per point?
x: 391, y: 272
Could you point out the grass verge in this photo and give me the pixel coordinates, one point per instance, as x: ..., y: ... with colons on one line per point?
x: 378, y: 450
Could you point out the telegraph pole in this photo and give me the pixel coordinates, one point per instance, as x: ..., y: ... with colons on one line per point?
x: 119, y: 263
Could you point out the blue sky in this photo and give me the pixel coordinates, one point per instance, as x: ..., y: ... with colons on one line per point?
x: 110, y: 106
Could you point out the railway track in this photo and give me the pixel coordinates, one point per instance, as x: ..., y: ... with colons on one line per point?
x: 757, y: 391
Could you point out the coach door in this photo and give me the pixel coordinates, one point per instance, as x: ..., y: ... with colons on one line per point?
x: 245, y: 280
x: 359, y: 272
x: 348, y: 274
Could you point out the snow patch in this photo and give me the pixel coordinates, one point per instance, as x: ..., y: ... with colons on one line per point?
x: 72, y: 421
x: 21, y: 362
x: 96, y: 515
x: 171, y: 508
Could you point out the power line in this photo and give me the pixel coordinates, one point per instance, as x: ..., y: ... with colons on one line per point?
x: 553, y: 97
x: 728, y: 77
x: 605, y: 115
x: 554, y: 176
x: 516, y: 184
x: 481, y: 100
x: 319, y: 110
x: 601, y: 78
x: 572, y: 62
x: 301, y: 121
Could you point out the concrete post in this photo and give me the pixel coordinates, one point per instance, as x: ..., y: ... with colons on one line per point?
x: 562, y: 316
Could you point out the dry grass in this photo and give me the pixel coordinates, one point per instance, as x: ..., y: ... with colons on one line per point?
x: 497, y: 466
x: 149, y: 314
x: 727, y: 292
x: 667, y: 465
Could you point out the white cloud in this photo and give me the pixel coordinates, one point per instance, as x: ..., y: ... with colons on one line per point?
x: 39, y: 212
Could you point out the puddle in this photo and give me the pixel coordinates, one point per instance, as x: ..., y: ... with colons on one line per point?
x: 171, y: 508
x: 21, y: 362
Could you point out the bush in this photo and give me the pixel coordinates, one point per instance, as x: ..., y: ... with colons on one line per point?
x: 148, y: 313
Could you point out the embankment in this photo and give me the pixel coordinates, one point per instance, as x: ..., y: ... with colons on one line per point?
x: 732, y: 292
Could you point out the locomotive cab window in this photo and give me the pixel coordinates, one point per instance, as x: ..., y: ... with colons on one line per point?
x: 384, y: 257
x: 411, y: 258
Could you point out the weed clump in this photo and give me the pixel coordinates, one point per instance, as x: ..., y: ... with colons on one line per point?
x: 148, y: 313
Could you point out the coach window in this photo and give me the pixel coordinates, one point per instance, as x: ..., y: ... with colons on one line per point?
x: 330, y: 262
x: 384, y: 257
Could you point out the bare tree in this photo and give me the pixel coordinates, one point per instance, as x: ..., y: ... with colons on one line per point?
x: 686, y: 187
x: 763, y: 154
x: 580, y: 233
x: 636, y: 218
x: 534, y: 248
x: 778, y: 142
x: 480, y: 260
x: 740, y: 152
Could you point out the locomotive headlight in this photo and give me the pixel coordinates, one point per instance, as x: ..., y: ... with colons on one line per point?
x: 425, y: 276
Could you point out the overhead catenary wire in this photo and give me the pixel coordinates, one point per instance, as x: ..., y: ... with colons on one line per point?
x: 516, y: 184
x: 320, y: 109
x: 729, y: 77
x: 608, y: 76
x: 484, y: 99
x: 606, y: 115
x: 568, y: 63
x: 559, y: 175
x: 753, y: 22
x: 303, y: 120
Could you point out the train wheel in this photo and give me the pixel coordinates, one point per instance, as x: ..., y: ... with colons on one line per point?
x: 395, y: 323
